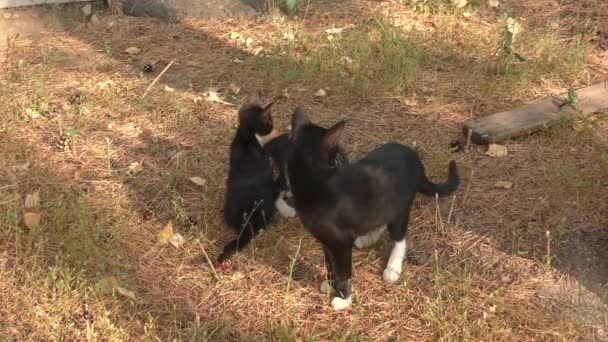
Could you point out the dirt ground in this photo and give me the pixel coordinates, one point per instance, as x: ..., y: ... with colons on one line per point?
x: 88, y: 259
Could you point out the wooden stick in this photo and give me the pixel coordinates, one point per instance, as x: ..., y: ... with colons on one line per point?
x: 209, y: 261
x: 467, y: 147
x: 157, y: 78
x: 451, y: 209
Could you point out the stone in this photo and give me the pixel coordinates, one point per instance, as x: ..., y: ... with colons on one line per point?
x: 87, y: 9
x: 95, y: 20
x: 177, y: 9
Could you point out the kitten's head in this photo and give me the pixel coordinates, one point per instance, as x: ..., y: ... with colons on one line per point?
x: 256, y: 116
x: 315, y: 147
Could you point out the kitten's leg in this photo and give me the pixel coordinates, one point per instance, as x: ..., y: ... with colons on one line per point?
x: 327, y: 284
x: 370, y: 238
x: 342, y: 253
x: 284, y: 209
x: 398, y: 232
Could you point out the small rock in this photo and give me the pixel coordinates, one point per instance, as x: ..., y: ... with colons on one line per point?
x: 95, y: 20
x: 238, y: 61
x: 132, y: 50
x: 87, y: 9
x: 235, y: 35
x: 321, y: 93
x: 248, y: 42
x: 169, y: 89
x: 197, y: 181
x: 503, y: 184
x: 177, y: 240
x: 496, y: 151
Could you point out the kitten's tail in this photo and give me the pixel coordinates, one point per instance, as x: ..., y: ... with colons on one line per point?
x: 442, y: 189
x: 247, y: 234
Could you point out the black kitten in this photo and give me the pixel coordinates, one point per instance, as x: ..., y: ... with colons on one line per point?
x: 349, y: 206
x: 250, y: 195
x: 278, y: 148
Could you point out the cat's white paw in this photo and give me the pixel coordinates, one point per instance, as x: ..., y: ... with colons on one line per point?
x: 391, y: 275
x: 325, y: 288
x: 284, y: 209
x: 287, y: 211
x: 338, y: 303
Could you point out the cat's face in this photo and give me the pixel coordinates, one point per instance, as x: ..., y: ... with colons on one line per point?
x: 263, y: 121
x: 256, y: 116
x: 315, y: 146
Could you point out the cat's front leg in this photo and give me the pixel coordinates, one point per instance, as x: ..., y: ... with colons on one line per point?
x: 342, y: 294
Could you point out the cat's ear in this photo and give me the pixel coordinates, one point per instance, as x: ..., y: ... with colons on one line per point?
x: 332, y: 135
x: 266, y: 108
x: 299, y: 119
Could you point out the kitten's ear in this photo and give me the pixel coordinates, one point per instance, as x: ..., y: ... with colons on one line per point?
x: 266, y: 108
x: 332, y: 135
x: 299, y: 119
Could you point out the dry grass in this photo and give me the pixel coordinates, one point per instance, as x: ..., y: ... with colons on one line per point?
x: 484, y: 275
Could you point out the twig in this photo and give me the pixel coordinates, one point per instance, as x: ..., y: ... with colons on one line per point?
x: 466, y: 192
x: 306, y: 11
x: 209, y: 261
x: 157, y: 78
x: 468, y: 145
x: 451, y: 210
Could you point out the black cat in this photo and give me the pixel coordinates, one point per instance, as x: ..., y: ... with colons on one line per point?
x: 250, y: 195
x: 252, y: 188
x: 278, y: 148
x: 360, y: 197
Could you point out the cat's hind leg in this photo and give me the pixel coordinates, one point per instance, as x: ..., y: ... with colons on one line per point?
x: 398, y: 231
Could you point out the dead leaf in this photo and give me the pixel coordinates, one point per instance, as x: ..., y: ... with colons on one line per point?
x: 234, y: 88
x: 169, y: 89
x: 198, y: 181
x: 237, y: 276
x: 32, y: 220
x: 321, y: 93
x: 133, y: 50
x: 177, y: 240
x: 134, y: 168
x: 235, y: 35
x: 105, y: 84
x: 126, y: 292
x: 249, y: 41
x: 493, y: 3
x: 504, y: 184
x: 32, y: 113
x: 257, y: 51
x: 496, y: 151
x: 107, y: 284
x: 212, y: 95
x: 460, y: 3
x: 32, y: 200
x: 334, y: 30
x: 238, y: 61
x: 165, y: 235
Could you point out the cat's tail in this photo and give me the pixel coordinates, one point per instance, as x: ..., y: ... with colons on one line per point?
x: 244, y: 238
x: 442, y: 189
